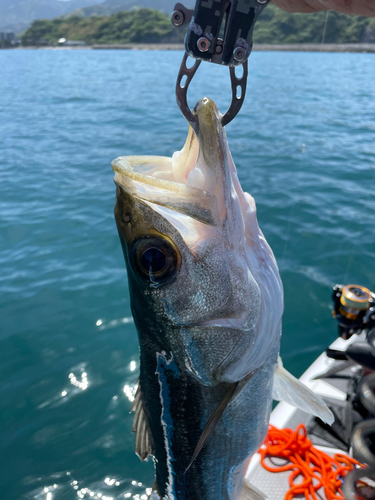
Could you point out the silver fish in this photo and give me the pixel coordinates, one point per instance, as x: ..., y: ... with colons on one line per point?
x: 207, y: 302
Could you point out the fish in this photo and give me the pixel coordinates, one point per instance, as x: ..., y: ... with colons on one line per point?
x: 207, y: 302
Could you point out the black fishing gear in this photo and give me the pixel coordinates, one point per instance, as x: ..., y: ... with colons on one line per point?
x: 353, y: 373
x: 221, y: 32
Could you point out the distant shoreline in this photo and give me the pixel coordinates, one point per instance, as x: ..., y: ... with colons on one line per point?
x: 302, y: 47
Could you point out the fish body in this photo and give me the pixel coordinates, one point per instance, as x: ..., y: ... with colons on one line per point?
x: 207, y: 301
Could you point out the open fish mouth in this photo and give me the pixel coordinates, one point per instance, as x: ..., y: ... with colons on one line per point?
x: 141, y: 176
x: 189, y: 182
x: 186, y: 167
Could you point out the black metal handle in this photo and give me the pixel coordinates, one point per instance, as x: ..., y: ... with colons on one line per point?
x: 203, y: 39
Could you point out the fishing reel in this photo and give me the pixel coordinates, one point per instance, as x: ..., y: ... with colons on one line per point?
x: 354, y: 309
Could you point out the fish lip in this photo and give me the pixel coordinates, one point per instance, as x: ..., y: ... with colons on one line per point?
x: 124, y: 166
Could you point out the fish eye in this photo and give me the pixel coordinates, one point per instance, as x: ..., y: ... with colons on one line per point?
x: 155, y: 260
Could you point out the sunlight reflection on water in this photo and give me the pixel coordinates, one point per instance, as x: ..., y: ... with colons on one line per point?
x: 130, y: 391
x: 82, y: 492
x: 104, y: 325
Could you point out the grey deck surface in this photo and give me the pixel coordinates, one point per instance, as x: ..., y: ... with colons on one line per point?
x: 275, y: 485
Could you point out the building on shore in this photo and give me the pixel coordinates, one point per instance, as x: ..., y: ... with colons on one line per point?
x: 63, y: 42
x: 8, y: 39
x: 34, y: 42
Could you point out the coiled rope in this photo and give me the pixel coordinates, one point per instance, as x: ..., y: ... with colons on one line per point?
x: 317, y: 469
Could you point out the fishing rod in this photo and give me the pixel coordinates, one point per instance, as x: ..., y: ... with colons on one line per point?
x: 220, y: 32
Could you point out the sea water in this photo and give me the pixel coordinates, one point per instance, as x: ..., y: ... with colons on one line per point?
x: 304, y: 147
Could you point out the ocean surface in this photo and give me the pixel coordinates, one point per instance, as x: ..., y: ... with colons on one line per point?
x: 304, y: 146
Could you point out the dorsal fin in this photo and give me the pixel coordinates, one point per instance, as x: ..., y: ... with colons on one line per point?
x: 233, y: 391
x: 144, y: 444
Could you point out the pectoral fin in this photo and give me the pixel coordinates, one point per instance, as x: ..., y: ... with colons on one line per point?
x: 289, y: 389
x: 144, y: 444
x: 233, y: 391
x: 251, y: 492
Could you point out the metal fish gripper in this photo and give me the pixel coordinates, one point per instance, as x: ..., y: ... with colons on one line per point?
x: 221, y: 32
x: 238, y: 92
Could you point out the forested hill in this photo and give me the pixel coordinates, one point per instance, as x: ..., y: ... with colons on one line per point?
x: 276, y: 26
x: 151, y: 26
x: 135, y: 26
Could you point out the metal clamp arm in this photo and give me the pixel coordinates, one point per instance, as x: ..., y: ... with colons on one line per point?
x: 184, y: 78
x: 203, y: 40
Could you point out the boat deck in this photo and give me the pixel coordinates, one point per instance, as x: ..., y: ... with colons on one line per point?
x: 335, y: 393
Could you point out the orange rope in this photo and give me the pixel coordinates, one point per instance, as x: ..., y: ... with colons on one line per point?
x: 316, y: 468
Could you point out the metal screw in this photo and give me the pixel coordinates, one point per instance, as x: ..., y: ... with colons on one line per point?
x: 239, y: 54
x: 178, y: 18
x: 262, y: 2
x: 203, y: 44
x: 218, y: 49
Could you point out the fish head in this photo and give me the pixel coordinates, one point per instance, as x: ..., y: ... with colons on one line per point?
x: 199, y: 268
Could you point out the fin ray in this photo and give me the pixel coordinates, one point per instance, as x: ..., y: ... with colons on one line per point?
x: 144, y: 445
